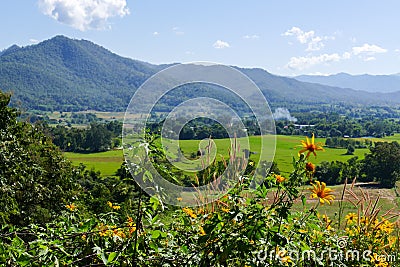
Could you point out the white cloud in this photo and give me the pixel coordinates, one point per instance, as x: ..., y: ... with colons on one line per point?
x: 368, y: 49
x: 252, y: 37
x: 301, y: 36
x: 318, y: 74
x: 221, y: 44
x: 177, y: 31
x: 300, y: 63
x: 314, y: 42
x: 34, y: 41
x: 397, y: 50
x: 365, y: 52
x: 156, y: 33
x: 346, y: 55
x: 84, y: 14
x: 369, y: 58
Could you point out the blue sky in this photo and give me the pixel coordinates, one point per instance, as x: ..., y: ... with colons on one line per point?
x: 283, y: 37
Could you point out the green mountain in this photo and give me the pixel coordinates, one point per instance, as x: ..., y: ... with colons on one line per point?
x: 66, y: 74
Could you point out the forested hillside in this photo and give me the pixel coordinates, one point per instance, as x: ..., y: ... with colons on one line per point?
x: 64, y: 74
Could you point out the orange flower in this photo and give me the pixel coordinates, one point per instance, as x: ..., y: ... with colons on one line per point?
x: 310, y: 167
x: 320, y: 191
x: 71, y: 207
x: 311, y: 147
x: 189, y: 212
x: 280, y: 178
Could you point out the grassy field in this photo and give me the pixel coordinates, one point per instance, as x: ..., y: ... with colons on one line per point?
x: 286, y: 148
x: 106, y: 162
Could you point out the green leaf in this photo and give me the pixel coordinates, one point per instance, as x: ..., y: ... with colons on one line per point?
x: 154, y: 219
x: 154, y: 247
x: 112, y: 256
x: 155, y: 234
x: 303, y: 200
x: 17, y: 242
x: 147, y: 176
x: 155, y: 202
x: 23, y: 259
x: 184, y: 249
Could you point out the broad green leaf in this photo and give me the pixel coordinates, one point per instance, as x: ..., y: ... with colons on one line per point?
x: 112, y: 256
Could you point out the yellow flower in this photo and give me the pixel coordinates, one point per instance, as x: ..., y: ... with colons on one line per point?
x: 189, y: 212
x: 115, y: 207
x: 202, y: 232
x: 379, y: 260
x: 328, y: 222
x: 320, y: 191
x: 351, y: 217
x: 71, y: 207
x: 132, y: 229
x: 280, y: 178
x: 226, y: 210
x: 326, y: 219
x: 364, y: 221
x: 311, y: 147
x: 104, y: 230
x: 281, y: 254
x: 118, y: 232
x: 179, y: 198
x: 132, y: 226
x: 200, y: 211
x: 286, y: 260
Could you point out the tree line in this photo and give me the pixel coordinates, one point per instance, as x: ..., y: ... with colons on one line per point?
x: 380, y: 165
x: 95, y: 138
x: 37, y: 181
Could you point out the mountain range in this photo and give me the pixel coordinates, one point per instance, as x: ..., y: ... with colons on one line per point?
x: 365, y: 82
x: 65, y: 74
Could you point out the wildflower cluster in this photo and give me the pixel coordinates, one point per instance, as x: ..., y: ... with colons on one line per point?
x: 71, y: 207
x: 115, y: 207
x: 263, y: 226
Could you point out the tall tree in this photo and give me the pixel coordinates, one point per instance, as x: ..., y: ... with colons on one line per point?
x: 34, y: 175
x: 383, y: 163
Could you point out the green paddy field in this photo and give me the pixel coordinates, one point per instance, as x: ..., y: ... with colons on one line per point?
x: 287, y: 147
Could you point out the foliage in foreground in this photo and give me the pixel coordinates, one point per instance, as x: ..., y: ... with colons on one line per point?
x: 247, y: 227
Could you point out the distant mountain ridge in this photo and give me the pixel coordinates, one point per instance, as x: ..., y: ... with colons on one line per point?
x: 61, y: 73
x: 365, y: 82
x: 65, y: 74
